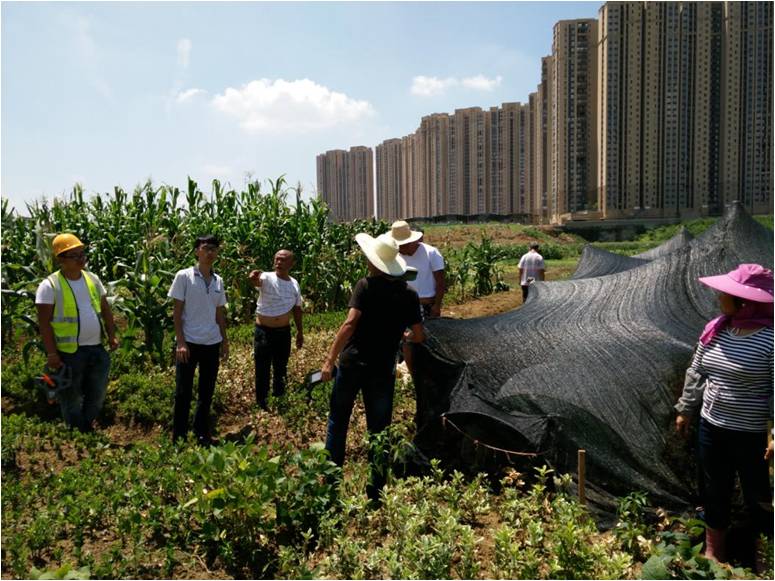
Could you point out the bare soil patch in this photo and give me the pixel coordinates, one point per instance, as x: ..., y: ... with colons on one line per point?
x: 486, y: 306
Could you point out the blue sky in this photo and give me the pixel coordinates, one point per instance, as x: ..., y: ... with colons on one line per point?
x: 113, y: 93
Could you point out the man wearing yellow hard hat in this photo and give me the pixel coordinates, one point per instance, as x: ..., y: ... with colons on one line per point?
x: 74, y: 319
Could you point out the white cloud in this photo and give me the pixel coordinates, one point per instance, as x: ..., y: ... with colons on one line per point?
x: 482, y: 83
x: 184, y: 52
x: 188, y: 95
x: 277, y: 105
x: 423, y: 86
x: 430, y: 86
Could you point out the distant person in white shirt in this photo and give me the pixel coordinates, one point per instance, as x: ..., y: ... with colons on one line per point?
x: 200, y: 329
x: 531, y: 268
x: 279, y: 298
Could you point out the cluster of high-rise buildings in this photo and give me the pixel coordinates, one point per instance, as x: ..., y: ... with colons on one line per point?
x: 652, y: 110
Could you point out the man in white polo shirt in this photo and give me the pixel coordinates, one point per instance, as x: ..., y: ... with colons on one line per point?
x: 200, y: 329
x: 279, y: 299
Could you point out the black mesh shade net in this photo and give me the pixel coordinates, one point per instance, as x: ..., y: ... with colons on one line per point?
x: 595, y: 362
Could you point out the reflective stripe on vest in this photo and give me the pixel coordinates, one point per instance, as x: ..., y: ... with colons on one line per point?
x: 66, y: 322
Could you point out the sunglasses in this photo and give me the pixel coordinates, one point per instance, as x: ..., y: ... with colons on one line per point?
x: 210, y: 248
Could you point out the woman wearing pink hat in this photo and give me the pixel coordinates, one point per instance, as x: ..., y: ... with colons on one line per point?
x: 730, y: 378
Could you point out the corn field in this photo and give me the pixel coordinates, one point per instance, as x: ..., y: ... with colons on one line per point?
x: 137, y: 241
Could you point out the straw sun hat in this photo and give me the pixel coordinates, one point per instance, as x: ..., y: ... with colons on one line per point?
x: 403, y: 234
x: 382, y: 252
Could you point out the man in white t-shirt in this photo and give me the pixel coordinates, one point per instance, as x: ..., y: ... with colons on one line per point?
x: 200, y: 331
x: 531, y: 268
x: 429, y: 263
x: 430, y: 283
x: 279, y: 299
x: 74, y: 318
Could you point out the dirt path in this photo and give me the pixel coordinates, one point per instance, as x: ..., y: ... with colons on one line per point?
x: 486, y: 306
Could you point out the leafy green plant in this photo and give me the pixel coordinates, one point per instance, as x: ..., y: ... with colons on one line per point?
x: 631, y: 528
x: 676, y: 557
x: 64, y: 572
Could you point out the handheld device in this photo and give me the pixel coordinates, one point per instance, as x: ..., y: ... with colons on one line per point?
x: 52, y: 382
x: 316, y: 377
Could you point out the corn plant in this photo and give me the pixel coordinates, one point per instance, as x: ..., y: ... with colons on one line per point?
x: 138, y: 239
x: 146, y: 306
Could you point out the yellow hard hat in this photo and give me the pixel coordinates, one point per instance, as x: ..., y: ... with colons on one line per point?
x: 64, y: 242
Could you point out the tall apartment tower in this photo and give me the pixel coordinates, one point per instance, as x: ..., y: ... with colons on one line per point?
x: 346, y: 182
x: 543, y: 119
x: 508, y: 170
x: 433, y: 158
x: 746, y: 105
x: 574, y: 78
x: 533, y: 180
x: 468, y: 162
x: 412, y: 205
x: 332, y: 182
x: 389, y: 180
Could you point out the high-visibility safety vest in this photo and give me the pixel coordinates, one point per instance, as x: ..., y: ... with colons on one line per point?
x: 66, y: 320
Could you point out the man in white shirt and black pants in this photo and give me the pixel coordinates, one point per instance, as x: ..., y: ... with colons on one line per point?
x: 531, y: 268
x: 279, y: 299
x: 200, y: 329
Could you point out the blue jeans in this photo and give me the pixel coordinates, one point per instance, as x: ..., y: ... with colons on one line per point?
x: 378, y: 391
x: 724, y: 453
x: 82, y: 403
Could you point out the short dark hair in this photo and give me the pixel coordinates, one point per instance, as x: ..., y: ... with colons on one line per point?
x: 534, y: 245
x: 206, y: 239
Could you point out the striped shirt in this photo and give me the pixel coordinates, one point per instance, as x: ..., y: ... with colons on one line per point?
x: 277, y: 296
x: 738, y: 391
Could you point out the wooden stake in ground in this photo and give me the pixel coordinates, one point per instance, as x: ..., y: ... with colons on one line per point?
x: 582, y: 476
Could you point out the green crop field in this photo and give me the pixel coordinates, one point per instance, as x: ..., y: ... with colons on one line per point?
x: 123, y: 502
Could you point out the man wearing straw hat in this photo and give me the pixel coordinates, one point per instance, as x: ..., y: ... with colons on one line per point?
x: 382, y: 308
x: 430, y: 284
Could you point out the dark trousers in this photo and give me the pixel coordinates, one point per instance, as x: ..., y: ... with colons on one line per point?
x: 724, y: 453
x: 207, y: 357
x: 377, y: 391
x: 271, y: 351
x: 525, y: 289
x: 82, y: 402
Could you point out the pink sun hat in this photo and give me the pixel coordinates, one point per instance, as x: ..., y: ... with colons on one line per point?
x: 748, y: 281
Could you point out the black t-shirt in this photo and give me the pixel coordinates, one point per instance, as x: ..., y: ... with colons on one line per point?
x: 387, y: 307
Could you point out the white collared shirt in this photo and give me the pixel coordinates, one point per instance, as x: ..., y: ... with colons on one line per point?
x: 200, y: 301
